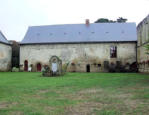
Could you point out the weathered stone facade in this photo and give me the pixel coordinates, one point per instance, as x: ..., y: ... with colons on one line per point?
x: 143, y: 39
x: 5, y: 57
x: 80, y: 56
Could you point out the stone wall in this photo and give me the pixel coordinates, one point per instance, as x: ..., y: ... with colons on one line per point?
x: 78, y: 55
x: 5, y: 57
x: 143, y: 40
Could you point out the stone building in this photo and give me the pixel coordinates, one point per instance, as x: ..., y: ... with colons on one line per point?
x: 5, y: 54
x: 90, y: 47
x: 143, y: 40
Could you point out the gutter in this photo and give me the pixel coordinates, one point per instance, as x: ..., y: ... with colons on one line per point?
x: 53, y: 43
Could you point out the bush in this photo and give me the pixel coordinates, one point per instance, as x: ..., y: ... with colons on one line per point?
x: 64, y: 68
x: 46, y: 71
x: 14, y: 69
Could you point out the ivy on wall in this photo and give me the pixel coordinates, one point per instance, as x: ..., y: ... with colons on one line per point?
x: 147, y: 49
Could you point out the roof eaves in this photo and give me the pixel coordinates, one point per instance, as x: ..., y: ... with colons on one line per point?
x: 78, y: 42
x: 5, y: 43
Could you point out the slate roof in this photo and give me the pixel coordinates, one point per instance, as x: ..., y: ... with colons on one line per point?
x: 76, y: 33
x: 3, y: 38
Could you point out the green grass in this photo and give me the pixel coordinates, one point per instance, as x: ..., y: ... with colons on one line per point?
x: 75, y: 93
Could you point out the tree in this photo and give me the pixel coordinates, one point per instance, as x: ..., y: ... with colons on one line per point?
x: 15, y: 53
x: 147, y: 49
x: 105, y: 20
x: 121, y: 20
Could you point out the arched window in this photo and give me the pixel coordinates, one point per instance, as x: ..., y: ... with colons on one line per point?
x: 38, y: 67
x: 25, y: 65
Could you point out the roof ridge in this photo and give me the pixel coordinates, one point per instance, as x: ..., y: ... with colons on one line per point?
x: 80, y: 24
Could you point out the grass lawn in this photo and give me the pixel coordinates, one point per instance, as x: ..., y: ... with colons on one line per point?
x: 74, y: 94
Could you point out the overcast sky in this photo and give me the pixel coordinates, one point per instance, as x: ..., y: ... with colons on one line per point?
x: 17, y: 15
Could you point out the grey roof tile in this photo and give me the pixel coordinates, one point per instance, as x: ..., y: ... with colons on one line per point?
x: 3, y: 39
x: 73, y: 33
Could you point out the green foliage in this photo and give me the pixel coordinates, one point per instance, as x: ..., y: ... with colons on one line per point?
x: 147, y: 49
x: 14, y: 69
x: 15, y: 54
x: 46, y: 71
x: 121, y: 20
x: 105, y: 20
x: 64, y: 68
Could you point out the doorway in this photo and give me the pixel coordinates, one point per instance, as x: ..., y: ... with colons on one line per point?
x: 38, y: 67
x: 25, y: 65
x: 87, y: 68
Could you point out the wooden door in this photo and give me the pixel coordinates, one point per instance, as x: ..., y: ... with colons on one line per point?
x: 38, y: 67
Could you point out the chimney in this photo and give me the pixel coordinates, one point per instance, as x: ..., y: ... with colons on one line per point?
x: 87, y: 22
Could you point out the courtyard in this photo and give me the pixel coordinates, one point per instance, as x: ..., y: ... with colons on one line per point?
x: 27, y: 93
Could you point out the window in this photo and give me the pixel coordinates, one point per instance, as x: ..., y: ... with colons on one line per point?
x: 113, y: 52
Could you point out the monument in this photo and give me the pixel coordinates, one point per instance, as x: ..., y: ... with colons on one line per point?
x: 54, y: 68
